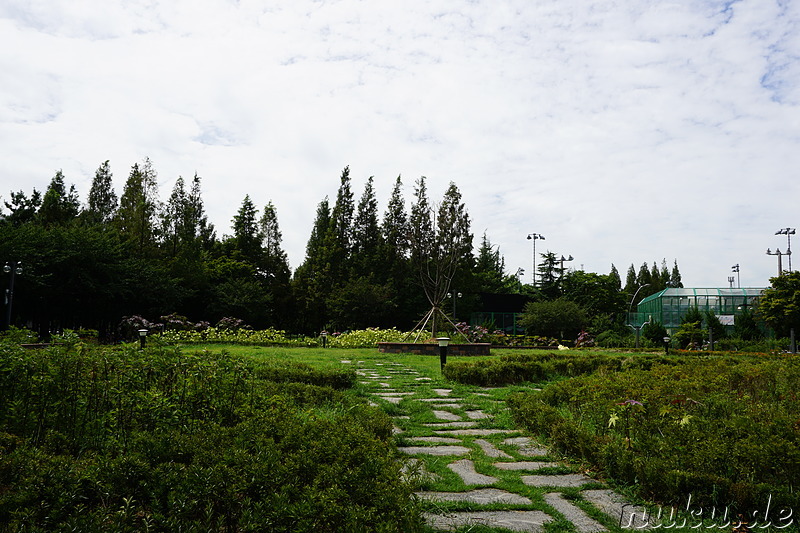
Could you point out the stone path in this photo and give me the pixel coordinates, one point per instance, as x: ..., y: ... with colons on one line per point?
x: 499, y: 468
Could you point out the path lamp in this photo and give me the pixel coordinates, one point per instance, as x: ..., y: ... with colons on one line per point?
x: 324, y: 335
x: 534, y: 237
x: 788, y: 232
x: 13, y: 268
x: 666, y: 345
x: 443, y: 342
x: 142, y: 338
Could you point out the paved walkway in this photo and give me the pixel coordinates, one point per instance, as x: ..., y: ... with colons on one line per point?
x: 507, y: 480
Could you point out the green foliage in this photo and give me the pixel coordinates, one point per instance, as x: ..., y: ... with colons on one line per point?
x: 538, y: 367
x: 556, y: 318
x: 129, y: 440
x: 655, y: 333
x: 15, y: 335
x: 780, y: 305
x: 717, y: 429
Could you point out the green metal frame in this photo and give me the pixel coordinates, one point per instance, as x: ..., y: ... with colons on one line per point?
x: 670, y: 305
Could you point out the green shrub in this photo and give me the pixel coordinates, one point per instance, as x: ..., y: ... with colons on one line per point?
x: 721, y: 429
x: 129, y: 440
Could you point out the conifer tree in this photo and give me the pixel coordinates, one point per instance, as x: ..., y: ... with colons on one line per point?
x: 246, y: 236
x: 139, y: 207
x: 366, y: 235
x: 102, y: 201
x: 59, y: 206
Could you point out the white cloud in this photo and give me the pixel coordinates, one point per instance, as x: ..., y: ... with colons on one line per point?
x: 624, y: 133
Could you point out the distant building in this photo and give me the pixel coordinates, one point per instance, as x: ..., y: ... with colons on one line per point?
x: 670, y: 305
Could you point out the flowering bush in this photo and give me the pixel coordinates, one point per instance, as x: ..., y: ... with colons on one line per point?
x: 130, y: 325
x: 231, y: 323
x: 365, y: 338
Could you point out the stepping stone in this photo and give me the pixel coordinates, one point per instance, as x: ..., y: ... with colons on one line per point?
x: 386, y: 385
x: 477, y: 415
x: 524, y: 521
x: 393, y: 399
x: 473, y: 432
x: 433, y: 440
x: 490, y: 450
x: 439, y: 400
x: 451, y: 425
x: 466, y: 471
x: 434, y: 450
x: 478, y: 496
x: 345, y: 362
x: 443, y: 392
x: 527, y: 447
x: 402, y: 417
x: 563, y: 480
x: 393, y: 393
x: 424, y: 379
x: 446, y: 415
x: 523, y: 465
x: 582, y: 522
x: 446, y: 406
x: 614, y: 505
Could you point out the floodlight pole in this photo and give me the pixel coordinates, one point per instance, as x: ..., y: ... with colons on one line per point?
x: 735, y: 268
x: 788, y: 232
x: 778, y: 253
x: 534, y: 237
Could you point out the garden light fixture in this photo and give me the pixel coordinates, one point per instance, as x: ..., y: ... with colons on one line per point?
x: 443, y: 342
x: 142, y: 338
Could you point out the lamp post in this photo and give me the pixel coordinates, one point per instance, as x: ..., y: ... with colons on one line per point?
x: 778, y: 253
x: 638, y: 328
x: 534, y: 237
x: 735, y: 268
x: 443, y: 342
x: 142, y: 338
x: 454, y: 295
x: 324, y: 335
x: 13, y: 268
x: 666, y: 345
x: 788, y: 232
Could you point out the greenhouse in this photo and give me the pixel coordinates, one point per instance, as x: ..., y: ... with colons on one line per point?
x: 668, y: 306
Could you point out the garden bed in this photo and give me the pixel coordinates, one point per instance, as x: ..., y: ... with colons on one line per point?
x: 481, y: 348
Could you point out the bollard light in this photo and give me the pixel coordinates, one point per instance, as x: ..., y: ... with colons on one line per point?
x: 443, y: 342
x: 142, y: 337
x: 666, y: 345
x: 324, y: 335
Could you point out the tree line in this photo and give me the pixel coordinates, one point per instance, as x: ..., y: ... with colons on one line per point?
x: 87, y: 265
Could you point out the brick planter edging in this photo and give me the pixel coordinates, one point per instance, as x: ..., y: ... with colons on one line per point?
x: 480, y: 348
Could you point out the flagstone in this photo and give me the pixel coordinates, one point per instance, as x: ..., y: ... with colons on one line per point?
x: 523, y: 521
x: 466, y: 471
x: 434, y: 450
x: 582, y: 522
x: 490, y: 450
x: 446, y: 415
x: 560, y: 480
x: 483, y: 496
x: 524, y: 465
x: 617, y: 507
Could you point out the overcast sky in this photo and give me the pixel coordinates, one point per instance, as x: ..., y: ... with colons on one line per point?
x: 624, y: 132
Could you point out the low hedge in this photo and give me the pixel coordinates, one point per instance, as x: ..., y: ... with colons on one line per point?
x: 545, y: 366
x: 725, y: 432
x: 129, y: 440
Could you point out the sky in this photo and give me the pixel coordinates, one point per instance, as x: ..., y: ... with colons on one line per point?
x: 623, y: 132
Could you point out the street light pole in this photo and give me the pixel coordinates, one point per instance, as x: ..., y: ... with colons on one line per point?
x: 534, y: 237
x: 735, y: 268
x: 638, y: 328
x: 14, y: 268
x: 778, y: 253
x: 454, y: 295
x: 788, y: 232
